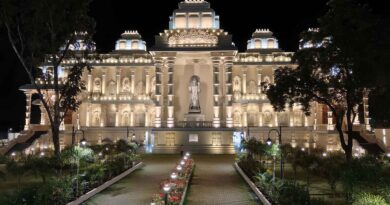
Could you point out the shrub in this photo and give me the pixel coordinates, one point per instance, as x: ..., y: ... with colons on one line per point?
x: 368, y: 199
x: 318, y: 201
x: 291, y: 193
x: 251, y: 167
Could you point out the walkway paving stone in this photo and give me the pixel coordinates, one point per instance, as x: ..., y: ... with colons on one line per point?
x: 138, y: 187
x: 216, y: 182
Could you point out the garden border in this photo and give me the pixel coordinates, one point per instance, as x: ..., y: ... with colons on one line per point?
x: 183, y: 197
x: 252, y: 185
x: 100, y: 188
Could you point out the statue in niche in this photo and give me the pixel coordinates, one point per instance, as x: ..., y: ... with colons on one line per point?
x: 252, y: 87
x: 96, y: 118
x: 112, y: 88
x: 97, y: 85
x: 126, y: 85
x: 194, y: 90
x: 140, y: 88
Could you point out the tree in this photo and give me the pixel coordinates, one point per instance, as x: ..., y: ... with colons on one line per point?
x: 330, y: 168
x: 337, y: 65
x: 43, y: 33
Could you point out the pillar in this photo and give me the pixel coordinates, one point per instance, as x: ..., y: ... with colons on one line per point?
x: 43, y: 120
x: 28, y: 110
x: 104, y: 83
x: 147, y: 87
x: 132, y: 118
x: 259, y: 80
x: 228, y: 64
x: 330, y: 120
x: 157, y: 118
x: 132, y: 79
x: 216, y: 108
x: 244, y: 81
x: 116, y: 115
x: 170, y: 84
x: 118, y: 81
x: 87, y: 123
x: 89, y: 86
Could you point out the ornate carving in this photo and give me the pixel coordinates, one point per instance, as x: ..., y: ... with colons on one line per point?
x: 196, y: 37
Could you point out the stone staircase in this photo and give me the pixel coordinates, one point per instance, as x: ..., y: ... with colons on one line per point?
x: 369, y: 141
x: 25, y: 139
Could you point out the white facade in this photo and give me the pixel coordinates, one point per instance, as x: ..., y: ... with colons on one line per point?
x: 147, y: 91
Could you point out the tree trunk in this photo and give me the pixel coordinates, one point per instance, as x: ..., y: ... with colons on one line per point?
x: 56, y: 139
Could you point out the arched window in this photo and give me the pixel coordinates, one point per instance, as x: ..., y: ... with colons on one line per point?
x: 271, y: 43
x: 257, y: 44
x: 134, y: 45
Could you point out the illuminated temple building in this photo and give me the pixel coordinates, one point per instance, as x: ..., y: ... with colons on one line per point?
x: 191, y: 90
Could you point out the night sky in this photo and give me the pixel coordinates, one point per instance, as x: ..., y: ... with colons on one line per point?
x: 240, y: 18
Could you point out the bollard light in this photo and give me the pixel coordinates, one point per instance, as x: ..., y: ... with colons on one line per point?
x: 173, y: 175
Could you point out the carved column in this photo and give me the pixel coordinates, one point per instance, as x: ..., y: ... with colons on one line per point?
x: 43, y: 119
x: 88, y: 115
x: 228, y: 63
x: 132, y: 79
x: 116, y: 115
x: 244, y: 81
x: 157, y: 118
x: 104, y: 83
x: 28, y: 110
x: 259, y: 80
x: 89, y: 86
x: 216, y: 119
x: 170, y: 117
x: 118, y: 81
x: 147, y: 87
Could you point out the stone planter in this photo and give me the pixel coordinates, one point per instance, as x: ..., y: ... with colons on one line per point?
x: 100, y: 188
x: 254, y: 188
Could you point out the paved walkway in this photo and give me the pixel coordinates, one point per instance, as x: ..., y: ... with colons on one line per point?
x: 216, y: 182
x: 138, y: 187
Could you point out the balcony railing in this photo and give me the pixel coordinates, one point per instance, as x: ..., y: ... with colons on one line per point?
x: 194, y: 124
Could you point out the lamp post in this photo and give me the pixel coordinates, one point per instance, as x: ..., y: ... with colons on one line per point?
x: 83, y: 141
x: 269, y: 143
x: 166, y: 189
x: 128, y: 132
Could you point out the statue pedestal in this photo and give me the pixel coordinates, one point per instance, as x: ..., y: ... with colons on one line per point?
x: 194, y: 117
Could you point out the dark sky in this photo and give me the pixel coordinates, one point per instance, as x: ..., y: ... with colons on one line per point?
x: 240, y: 18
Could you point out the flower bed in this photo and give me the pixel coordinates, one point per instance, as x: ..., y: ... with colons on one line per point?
x: 175, y: 187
